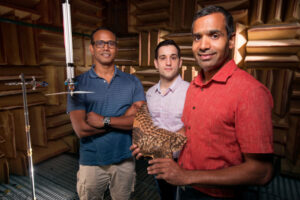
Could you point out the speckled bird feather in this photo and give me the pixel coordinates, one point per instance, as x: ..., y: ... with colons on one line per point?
x: 153, y: 141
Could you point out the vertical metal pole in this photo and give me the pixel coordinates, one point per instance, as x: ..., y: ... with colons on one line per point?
x: 27, y: 130
x: 68, y: 45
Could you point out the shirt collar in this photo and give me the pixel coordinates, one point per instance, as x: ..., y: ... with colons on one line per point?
x: 93, y: 74
x: 173, y: 87
x: 221, y: 76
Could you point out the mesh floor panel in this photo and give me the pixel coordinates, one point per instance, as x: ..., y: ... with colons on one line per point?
x: 56, y: 179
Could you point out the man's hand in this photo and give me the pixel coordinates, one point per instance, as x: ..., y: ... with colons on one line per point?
x: 181, y: 131
x: 94, y: 120
x: 167, y: 169
x: 135, y: 151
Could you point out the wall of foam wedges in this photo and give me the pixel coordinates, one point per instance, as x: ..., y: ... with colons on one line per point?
x: 31, y: 42
x: 267, y: 46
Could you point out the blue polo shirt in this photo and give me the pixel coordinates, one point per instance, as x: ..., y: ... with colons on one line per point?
x: 112, y: 100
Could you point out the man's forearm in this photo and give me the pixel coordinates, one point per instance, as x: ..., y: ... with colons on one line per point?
x: 248, y: 173
x: 87, y: 130
x: 80, y: 126
x: 125, y: 122
x: 122, y: 122
x: 256, y: 170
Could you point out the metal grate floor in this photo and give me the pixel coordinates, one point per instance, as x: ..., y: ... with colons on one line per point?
x: 56, y: 179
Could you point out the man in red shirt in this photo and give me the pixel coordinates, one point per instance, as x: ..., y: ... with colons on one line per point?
x: 227, y: 119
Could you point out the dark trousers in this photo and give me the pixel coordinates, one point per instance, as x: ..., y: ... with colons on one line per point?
x: 167, y: 191
x: 189, y: 193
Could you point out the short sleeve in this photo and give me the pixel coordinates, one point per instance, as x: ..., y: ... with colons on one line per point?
x: 254, y: 122
x: 75, y: 103
x: 139, y: 94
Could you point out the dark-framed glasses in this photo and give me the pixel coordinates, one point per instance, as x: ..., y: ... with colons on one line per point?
x: 100, y: 44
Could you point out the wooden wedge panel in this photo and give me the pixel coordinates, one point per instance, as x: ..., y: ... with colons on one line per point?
x: 148, y: 75
x: 290, y: 168
x: 143, y: 49
x: 59, y: 131
x: 272, y: 61
x: 160, y: 14
x: 28, y: 45
x: 54, y: 148
x: 281, y: 89
x: 51, y: 48
x: 19, y: 165
x: 238, y: 9
x: 279, y: 149
x: 3, y: 58
x: 55, y: 75
x: 293, y: 11
x: 188, y: 73
x: 227, y: 4
x: 78, y: 51
x: 128, y: 50
x: 240, y: 44
x: 280, y: 122
x: 87, y: 15
x: 273, y: 32
x: 240, y: 16
x: 291, y: 46
x: 4, y: 169
x: 55, y: 110
x: 58, y: 120
x: 51, y: 12
x: 275, y: 11
x: 20, y: 10
x: 88, y: 58
x: 257, y: 16
x: 28, y: 4
x: 292, y: 145
x: 73, y: 142
x: 7, y: 134
x: 141, y: 11
x: 280, y: 135
x: 38, y: 125
x: 16, y: 101
x: 11, y: 46
x: 20, y: 134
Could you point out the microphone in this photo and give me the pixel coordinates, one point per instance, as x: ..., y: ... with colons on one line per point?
x: 34, y: 83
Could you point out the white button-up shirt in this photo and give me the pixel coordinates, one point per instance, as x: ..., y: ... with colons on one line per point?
x: 166, y: 109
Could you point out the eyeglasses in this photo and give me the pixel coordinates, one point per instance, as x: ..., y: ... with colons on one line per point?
x: 100, y: 44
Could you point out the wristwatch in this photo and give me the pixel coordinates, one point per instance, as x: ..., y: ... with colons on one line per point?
x: 106, y: 122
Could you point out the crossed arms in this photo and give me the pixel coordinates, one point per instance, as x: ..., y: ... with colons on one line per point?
x: 87, y: 124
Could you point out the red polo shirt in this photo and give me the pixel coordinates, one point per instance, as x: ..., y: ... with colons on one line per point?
x: 224, y: 118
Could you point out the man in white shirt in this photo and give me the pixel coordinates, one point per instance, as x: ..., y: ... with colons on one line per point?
x: 165, y: 99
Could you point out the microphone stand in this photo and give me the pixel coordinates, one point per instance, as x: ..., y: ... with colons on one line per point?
x: 68, y: 46
x: 70, y: 81
x: 34, y: 84
x: 27, y: 130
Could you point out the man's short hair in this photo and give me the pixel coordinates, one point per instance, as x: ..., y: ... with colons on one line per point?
x: 217, y: 9
x: 99, y: 29
x: 166, y: 43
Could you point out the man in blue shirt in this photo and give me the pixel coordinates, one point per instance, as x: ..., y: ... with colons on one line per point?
x: 103, y: 122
